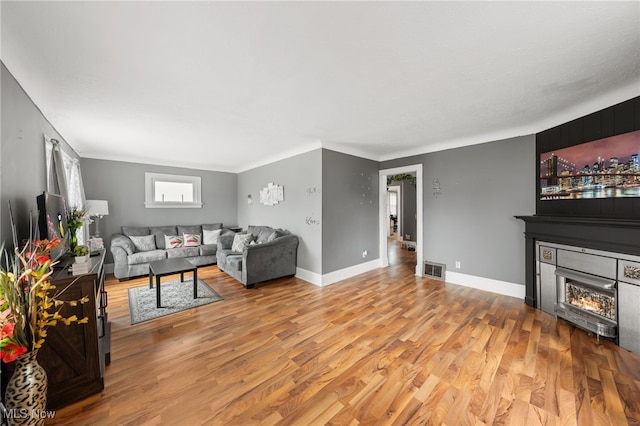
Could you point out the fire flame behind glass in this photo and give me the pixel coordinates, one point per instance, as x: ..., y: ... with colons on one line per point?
x: 592, y: 301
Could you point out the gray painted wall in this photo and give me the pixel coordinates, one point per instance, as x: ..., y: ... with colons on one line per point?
x: 350, y: 201
x: 471, y: 220
x: 22, y: 156
x: 122, y: 185
x: 301, y: 210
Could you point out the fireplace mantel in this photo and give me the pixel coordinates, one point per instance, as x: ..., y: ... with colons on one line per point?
x: 613, y: 235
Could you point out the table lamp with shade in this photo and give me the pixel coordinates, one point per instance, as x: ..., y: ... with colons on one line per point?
x: 97, y: 209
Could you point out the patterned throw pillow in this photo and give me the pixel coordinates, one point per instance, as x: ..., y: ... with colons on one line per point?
x: 240, y: 241
x: 210, y: 237
x: 173, y: 241
x: 192, y: 240
x: 144, y: 242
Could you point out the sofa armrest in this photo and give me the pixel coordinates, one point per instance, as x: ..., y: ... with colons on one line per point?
x: 277, y: 258
x: 120, y: 250
x: 124, y: 242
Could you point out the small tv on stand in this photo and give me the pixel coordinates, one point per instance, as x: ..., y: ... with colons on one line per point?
x: 52, y: 222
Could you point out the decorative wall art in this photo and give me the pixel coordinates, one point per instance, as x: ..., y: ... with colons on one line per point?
x: 271, y: 194
x: 436, y: 187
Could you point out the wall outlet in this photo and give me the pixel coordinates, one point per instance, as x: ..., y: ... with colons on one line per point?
x: 457, y: 264
x: 364, y: 254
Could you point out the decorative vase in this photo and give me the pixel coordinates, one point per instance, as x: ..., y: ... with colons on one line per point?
x: 26, y: 394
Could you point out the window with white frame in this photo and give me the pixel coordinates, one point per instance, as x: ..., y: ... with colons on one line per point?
x: 73, y: 179
x: 171, y: 191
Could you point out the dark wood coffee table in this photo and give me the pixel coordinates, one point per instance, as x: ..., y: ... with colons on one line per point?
x: 164, y: 267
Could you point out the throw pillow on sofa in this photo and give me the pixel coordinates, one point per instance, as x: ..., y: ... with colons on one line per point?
x: 192, y: 240
x: 173, y: 241
x: 144, y: 242
x: 160, y: 232
x: 240, y: 241
x: 210, y: 237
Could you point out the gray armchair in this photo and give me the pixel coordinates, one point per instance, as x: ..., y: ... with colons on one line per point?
x: 272, y: 254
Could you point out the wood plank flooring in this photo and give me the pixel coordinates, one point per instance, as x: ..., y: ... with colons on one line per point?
x: 386, y: 347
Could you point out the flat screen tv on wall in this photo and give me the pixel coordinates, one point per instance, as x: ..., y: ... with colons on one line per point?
x: 52, y: 222
x: 604, y: 168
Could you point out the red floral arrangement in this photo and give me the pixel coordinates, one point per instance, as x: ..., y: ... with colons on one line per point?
x: 29, y: 303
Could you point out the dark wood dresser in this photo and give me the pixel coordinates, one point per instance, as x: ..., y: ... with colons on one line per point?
x: 75, y: 356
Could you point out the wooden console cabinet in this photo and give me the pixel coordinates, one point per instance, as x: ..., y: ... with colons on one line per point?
x: 75, y: 356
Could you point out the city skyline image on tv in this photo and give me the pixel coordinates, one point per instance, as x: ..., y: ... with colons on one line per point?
x: 604, y: 168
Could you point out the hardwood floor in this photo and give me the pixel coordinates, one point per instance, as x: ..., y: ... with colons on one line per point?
x: 386, y: 347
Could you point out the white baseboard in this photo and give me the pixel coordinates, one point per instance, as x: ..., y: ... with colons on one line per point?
x: 334, y: 277
x: 108, y: 268
x: 309, y: 276
x: 486, y: 284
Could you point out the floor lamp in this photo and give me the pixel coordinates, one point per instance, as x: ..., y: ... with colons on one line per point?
x: 97, y: 209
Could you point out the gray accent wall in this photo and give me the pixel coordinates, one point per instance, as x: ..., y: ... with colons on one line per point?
x: 472, y: 219
x: 22, y: 156
x: 350, y: 203
x: 122, y: 184
x: 301, y: 210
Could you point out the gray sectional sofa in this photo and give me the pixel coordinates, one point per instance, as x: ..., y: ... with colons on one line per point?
x: 261, y: 253
x: 135, y: 247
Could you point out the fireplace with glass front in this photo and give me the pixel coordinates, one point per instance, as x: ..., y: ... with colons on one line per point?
x: 593, y: 289
x: 582, y: 246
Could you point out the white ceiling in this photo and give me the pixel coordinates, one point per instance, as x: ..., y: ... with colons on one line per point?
x: 229, y: 86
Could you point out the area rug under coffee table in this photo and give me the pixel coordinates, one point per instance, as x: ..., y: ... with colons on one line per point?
x: 176, y: 296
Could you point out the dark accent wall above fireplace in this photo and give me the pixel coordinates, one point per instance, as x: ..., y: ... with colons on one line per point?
x: 615, y: 120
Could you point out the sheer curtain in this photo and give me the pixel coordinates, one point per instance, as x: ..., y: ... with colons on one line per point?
x: 65, y: 178
x: 56, y: 176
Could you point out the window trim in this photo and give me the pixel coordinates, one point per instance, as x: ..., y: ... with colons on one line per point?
x: 149, y: 191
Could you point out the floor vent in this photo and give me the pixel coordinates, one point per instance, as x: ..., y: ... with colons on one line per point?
x: 434, y: 270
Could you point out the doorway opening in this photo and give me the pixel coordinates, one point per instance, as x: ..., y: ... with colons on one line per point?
x: 395, y: 217
x: 384, y: 213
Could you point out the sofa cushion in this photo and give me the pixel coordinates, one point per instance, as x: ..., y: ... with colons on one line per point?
x: 210, y: 237
x: 144, y: 242
x: 225, y: 240
x: 183, y: 252
x: 160, y: 232
x: 146, y: 257
x: 256, y: 229
x: 135, y: 230
x: 277, y: 234
x: 235, y: 262
x: 240, y: 241
x: 211, y: 226
x: 223, y: 254
x: 191, y: 240
x: 189, y: 229
x: 208, y: 249
x: 173, y: 241
x: 265, y: 235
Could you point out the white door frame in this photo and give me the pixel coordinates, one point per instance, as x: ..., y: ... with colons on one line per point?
x: 384, y: 219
